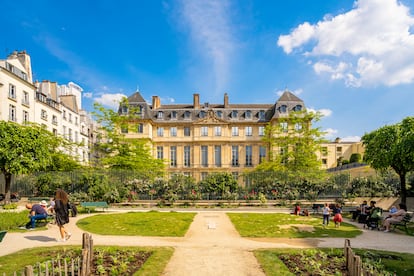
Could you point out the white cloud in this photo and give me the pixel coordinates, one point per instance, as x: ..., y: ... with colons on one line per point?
x: 211, y: 31
x: 324, y: 112
x: 330, y: 133
x: 351, y: 139
x: 87, y: 95
x: 367, y: 45
x: 110, y: 100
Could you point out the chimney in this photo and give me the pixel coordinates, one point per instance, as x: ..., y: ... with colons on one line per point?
x: 24, y: 59
x: 226, y: 100
x: 196, y: 100
x: 155, y: 102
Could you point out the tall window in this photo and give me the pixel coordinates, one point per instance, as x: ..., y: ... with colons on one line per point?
x: 70, y: 135
x: 187, y: 131
x: 160, y: 131
x: 173, y: 131
x: 160, y: 152
x: 249, y: 156
x: 262, y: 154
x: 284, y: 126
x: 298, y: 127
x: 26, y: 99
x: 12, y: 113
x: 54, y: 120
x: 204, y: 131
x: 261, y: 130
x: 140, y: 128
x: 217, y: 156
x: 187, y: 156
x: 217, y: 130
x: 234, y: 131
x: 43, y: 114
x: 204, y: 156
x: 173, y: 156
x: 235, y: 156
x: 12, y: 91
x: 25, y: 116
x: 249, y: 131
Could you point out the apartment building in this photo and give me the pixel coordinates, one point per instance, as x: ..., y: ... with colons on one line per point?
x: 56, y: 107
x: 333, y: 153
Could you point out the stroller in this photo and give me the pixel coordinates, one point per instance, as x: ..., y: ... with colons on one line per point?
x: 373, y: 220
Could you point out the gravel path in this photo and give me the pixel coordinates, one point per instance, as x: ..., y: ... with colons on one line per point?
x: 211, y: 246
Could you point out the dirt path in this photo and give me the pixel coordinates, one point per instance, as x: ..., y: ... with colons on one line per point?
x: 207, y: 250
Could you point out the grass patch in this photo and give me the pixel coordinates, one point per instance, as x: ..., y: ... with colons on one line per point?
x: 161, y: 224
x: 154, y: 265
x: 401, y: 264
x: 288, y: 226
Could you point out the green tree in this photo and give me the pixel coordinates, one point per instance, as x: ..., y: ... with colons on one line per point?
x: 392, y: 146
x: 355, y: 158
x: 293, y: 145
x: 24, y: 149
x: 120, y: 152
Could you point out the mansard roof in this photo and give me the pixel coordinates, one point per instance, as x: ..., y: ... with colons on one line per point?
x: 196, y: 111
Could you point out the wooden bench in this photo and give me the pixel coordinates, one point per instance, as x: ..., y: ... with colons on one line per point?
x: 95, y: 204
x: 2, y: 234
x: 406, y: 219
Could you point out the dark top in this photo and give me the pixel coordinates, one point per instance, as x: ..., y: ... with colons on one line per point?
x: 337, y: 210
x: 38, y: 210
x: 62, y: 212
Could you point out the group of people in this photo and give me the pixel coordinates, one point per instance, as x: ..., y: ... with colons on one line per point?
x: 372, y: 215
x: 336, y: 211
x: 59, y: 207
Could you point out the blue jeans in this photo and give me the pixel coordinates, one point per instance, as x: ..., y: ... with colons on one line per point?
x: 32, y: 223
x: 326, y: 219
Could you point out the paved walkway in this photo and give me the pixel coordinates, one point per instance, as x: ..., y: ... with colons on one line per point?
x: 211, y: 245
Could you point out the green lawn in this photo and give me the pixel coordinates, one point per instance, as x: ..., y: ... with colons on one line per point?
x: 151, y: 223
x: 288, y: 226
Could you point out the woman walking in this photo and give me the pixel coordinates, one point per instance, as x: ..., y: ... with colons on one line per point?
x: 326, y: 212
x: 62, y: 213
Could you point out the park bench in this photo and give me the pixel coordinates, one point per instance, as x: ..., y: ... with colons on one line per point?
x: 406, y: 219
x: 316, y: 207
x: 95, y: 204
x: 2, y: 234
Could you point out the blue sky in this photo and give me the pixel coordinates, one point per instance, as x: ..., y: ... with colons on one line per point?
x: 351, y: 60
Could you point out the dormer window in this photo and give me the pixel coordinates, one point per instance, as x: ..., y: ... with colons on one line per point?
x: 234, y: 114
x: 174, y: 115
x: 124, y: 109
x: 187, y: 115
x: 160, y: 115
x: 202, y: 114
x: 219, y: 113
x: 248, y: 114
x: 283, y: 109
x: 261, y: 115
x: 297, y: 108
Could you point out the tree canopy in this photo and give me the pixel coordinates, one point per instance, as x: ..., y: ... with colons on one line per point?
x: 117, y: 151
x: 392, y: 146
x: 24, y: 149
x: 292, y: 145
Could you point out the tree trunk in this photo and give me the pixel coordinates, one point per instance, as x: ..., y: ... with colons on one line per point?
x: 8, y: 179
x: 403, y: 188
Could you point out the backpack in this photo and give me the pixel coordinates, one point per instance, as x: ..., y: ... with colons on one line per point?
x: 73, y: 209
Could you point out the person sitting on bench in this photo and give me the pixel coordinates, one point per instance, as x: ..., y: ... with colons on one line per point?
x: 37, y: 212
x: 395, y: 217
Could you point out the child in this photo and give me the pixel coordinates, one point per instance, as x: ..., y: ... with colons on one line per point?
x: 325, y: 213
x: 337, y: 212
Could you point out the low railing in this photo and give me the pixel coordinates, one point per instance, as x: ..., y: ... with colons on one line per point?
x: 81, y: 265
x: 354, y: 262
